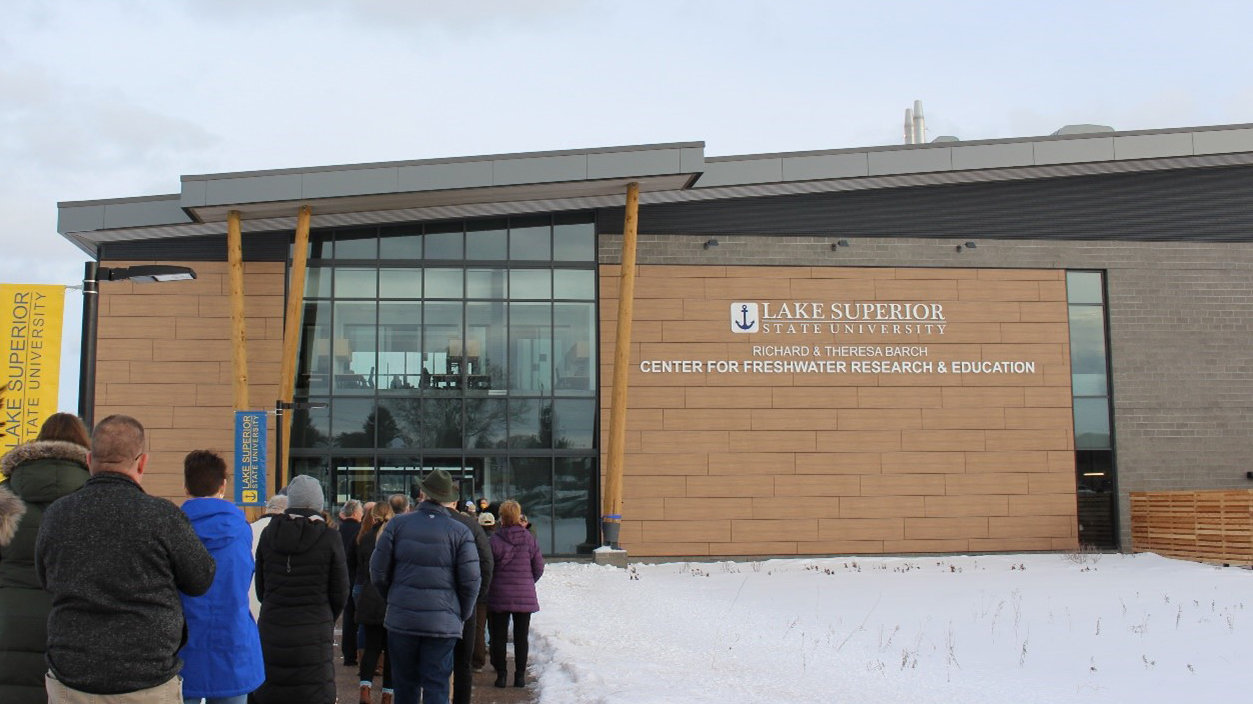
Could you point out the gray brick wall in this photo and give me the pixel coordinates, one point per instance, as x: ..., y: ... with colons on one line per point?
x: 1181, y: 334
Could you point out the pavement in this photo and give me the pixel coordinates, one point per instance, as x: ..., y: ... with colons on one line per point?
x: 483, y: 692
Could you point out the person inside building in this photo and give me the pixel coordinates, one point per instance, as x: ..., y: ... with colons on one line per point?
x: 370, y: 606
x: 519, y: 565
x: 114, y: 632
x: 222, y: 658
x: 302, y: 581
x: 36, y: 474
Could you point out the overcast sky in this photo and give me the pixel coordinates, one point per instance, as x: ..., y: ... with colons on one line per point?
x: 115, y: 98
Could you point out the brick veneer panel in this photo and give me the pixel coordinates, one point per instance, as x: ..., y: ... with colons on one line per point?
x: 814, y: 463
x: 164, y: 356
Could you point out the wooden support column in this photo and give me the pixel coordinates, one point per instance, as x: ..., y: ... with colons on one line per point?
x: 612, y: 514
x: 239, y: 333
x: 291, y: 332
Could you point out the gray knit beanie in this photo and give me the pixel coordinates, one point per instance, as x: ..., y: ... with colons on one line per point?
x: 305, y: 492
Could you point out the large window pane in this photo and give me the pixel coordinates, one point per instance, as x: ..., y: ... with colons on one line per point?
x: 487, y: 283
x: 357, y: 244
x: 534, y: 481
x: 531, y: 283
x: 445, y: 241
x: 574, y: 423
x: 1087, y: 350
x: 399, y: 423
x: 310, y: 427
x: 318, y: 282
x: 530, y: 423
x: 444, y: 283
x: 497, y: 480
x: 486, y: 345
x: 313, y: 374
x: 530, y: 347
x: 352, y: 422
x: 530, y: 239
x: 1084, y: 287
x: 574, y: 239
x: 487, y: 239
x: 1091, y: 424
x: 356, y: 283
x: 403, y: 242
x: 400, y: 347
x: 400, y: 283
x: 486, y: 423
x: 441, y: 423
x: 579, y: 284
x: 575, y: 517
x: 321, y: 247
x: 442, y: 340
x: 354, y: 477
x: 354, y: 348
x: 316, y: 467
x: 574, y: 338
x: 399, y: 475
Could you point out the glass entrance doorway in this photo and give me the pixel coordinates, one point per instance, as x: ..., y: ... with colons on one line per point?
x: 404, y: 474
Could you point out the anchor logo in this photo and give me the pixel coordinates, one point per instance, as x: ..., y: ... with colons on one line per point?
x: 744, y: 317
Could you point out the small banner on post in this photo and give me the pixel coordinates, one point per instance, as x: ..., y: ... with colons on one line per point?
x: 30, y: 330
x: 250, y: 448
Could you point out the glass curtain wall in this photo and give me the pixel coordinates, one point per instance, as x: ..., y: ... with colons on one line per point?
x: 1090, y: 387
x: 467, y: 346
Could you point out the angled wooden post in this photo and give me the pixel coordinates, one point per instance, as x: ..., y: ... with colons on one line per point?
x: 292, y: 322
x: 239, y: 333
x: 611, y: 516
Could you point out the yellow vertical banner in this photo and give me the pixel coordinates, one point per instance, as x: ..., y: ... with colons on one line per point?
x: 30, y: 330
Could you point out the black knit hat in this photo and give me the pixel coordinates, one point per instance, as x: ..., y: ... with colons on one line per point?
x: 438, y: 486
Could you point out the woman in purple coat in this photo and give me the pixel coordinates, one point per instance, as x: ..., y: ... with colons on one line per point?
x: 512, y: 592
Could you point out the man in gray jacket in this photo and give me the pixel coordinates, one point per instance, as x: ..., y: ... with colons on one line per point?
x: 427, y: 568
x: 114, y: 560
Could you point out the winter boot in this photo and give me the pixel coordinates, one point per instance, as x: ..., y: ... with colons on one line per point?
x: 387, y: 696
x: 502, y: 678
x: 519, y: 678
x: 365, y: 693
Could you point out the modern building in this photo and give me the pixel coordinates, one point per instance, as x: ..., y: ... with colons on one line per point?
x: 945, y: 347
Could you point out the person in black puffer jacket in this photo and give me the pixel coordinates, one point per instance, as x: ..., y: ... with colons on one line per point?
x: 37, y: 474
x: 302, y: 582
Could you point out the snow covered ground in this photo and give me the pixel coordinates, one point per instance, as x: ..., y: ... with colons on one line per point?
x: 1000, y: 629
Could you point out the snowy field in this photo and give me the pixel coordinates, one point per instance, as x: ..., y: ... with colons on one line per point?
x: 1000, y: 629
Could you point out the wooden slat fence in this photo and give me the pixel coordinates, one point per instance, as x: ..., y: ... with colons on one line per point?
x: 1205, y: 526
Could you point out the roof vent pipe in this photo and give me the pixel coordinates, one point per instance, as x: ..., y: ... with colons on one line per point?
x: 909, y: 126
x: 920, y: 124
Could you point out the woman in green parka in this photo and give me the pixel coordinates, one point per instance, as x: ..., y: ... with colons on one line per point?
x: 36, y: 474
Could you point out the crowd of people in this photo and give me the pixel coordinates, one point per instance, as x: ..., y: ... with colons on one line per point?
x: 108, y: 594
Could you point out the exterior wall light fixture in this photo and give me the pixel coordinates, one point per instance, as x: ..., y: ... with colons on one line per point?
x: 711, y: 242
x: 968, y: 245
x: 835, y: 246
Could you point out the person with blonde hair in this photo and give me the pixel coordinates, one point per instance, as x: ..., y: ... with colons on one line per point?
x: 519, y: 565
x: 37, y: 474
x: 371, y: 608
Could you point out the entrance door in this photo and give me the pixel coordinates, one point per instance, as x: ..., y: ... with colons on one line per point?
x: 403, y: 475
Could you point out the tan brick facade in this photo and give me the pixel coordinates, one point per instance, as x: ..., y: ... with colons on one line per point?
x: 813, y: 463
x: 164, y: 357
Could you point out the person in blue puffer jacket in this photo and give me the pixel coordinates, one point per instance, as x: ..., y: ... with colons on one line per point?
x: 222, y: 660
